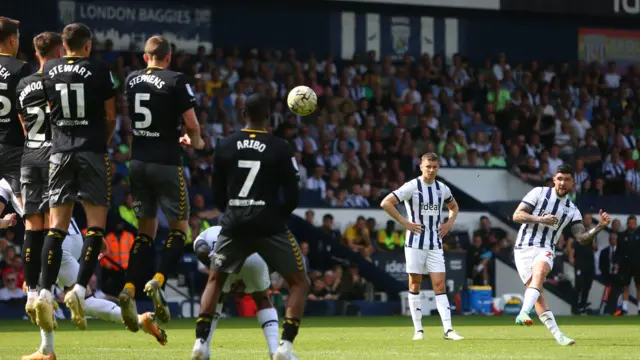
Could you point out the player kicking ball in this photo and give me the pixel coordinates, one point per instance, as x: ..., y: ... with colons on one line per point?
x: 254, y: 274
x: 424, y: 198
x: 69, y: 269
x: 544, y: 212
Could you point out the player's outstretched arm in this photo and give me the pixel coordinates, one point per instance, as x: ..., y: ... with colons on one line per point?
x: 110, y: 115
x: 583, y: 236
x: 389, y: 204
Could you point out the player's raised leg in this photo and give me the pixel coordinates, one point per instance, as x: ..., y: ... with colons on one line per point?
x: 174, y: 202
x: 535, y: 286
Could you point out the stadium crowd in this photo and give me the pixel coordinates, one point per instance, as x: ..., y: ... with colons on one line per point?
x: 374, y: 120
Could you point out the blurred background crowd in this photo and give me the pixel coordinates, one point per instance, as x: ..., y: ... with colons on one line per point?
x: 375, y: 118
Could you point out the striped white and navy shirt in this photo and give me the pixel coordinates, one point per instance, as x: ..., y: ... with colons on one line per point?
x: 6, y: 196
x: 633, y: 178
x: 424, y: 206
x: 544, y: 200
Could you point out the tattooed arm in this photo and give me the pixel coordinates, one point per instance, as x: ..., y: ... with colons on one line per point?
x: 583, y: 236
x: 523, y: 215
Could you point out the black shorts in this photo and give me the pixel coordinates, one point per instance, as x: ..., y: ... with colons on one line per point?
x: 10, y: 160
x: 84, y: 176
x: 35, y: 189
x: 158, y: 185
x: 633, y: 272
x: 280, y: 251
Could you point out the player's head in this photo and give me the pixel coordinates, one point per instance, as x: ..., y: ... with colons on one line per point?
x: 48, y: 45
x: 563, y: 180
x: 76, y: 39
x: 429, y: 166
x: 257, y: 108
x: 632, y: 223
x: 9, y: 35
x: 157, y: 51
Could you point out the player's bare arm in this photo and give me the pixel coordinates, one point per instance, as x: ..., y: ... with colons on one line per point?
x: 583, y: 236
x: 7, y: 221
x: 193, y: 128
x: 110, y: 115
x: 24, y: 128
x: 523, y: 215
x: 389, y: 204
x: 453, y: 214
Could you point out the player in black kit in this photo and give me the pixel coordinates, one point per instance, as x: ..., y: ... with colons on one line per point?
x: 12, y: 134
x: 159, y: 101
x: 83, y: 113
x: 250, y: 168
x: 33, y: 110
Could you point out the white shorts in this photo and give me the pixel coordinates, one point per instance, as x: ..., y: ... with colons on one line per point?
x: 69, y: 267
x: 424, y: 261
x: 525, y: 259
x: 254, y: 274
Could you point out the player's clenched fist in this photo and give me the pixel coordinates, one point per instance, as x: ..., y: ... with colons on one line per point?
x: 605, y: 219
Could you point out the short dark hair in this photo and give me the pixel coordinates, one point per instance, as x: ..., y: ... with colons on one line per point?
x: 157, y: 47
x: 327, y: 217
x: 431, y: 157
x: 8, y: 28
x: 257, y: 108
x: 76, y: 35
x: 45, y: 42
x: 565, y: 169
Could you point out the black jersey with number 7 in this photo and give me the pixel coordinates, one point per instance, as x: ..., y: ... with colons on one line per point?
x: 77, y: 89
x: 250, y: 170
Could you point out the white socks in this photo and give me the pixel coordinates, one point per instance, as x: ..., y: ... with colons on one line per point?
x: 530, y: 297
x: 625, y: 305
x: 80, y: 290
x: 102, y: 309
x: 416, y: 311
x: 444, y: 309
x: 268, y: 320
x: 214, y: 323
x: 549, y: 321
x: 46, y: 347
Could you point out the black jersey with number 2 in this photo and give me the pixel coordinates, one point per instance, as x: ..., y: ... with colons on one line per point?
x: 250, y: 169
x: 77, y: 89
x: 11, y: 71
x: 157, y: 98
x: 33, y: 106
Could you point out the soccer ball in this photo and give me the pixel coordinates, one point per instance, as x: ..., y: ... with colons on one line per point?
x: 302, y: 100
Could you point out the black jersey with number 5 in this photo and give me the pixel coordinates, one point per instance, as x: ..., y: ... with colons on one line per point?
x: 33, y: 106
x: 157, y: 98
x: 250, y: 169
x: 77, y: 89
x: 11, y: 71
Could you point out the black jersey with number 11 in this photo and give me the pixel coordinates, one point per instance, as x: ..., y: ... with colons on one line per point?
x: 11, y: 71
x: 249, y: 171
x: 157, y: 99
x: 77, y: 89
x: 34, y: 108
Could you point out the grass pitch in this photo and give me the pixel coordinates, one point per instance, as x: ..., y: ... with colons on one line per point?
x: 344, y: 338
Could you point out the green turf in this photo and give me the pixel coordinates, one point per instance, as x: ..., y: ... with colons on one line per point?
x: 361, y: 338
